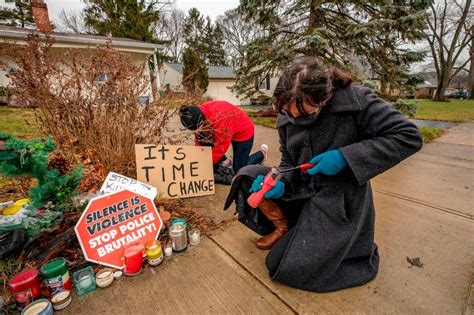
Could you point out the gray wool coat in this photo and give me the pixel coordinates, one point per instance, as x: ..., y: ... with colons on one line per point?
x: 332, y: 244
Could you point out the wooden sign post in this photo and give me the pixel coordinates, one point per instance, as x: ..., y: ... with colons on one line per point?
x: 176, y: 171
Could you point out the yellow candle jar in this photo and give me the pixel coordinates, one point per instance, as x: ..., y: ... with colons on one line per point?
x: 154, y: 254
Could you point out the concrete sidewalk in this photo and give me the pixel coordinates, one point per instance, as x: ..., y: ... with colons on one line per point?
x: 424, y: 209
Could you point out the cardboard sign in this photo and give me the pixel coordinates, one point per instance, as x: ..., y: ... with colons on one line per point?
x: 116, y: 182
x: 177, y: 171
x: 110, y: 221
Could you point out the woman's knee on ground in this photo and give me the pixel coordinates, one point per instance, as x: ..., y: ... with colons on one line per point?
x: 275, y: 255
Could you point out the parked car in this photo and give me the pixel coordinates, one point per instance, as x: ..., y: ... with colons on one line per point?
x: 458, y: 94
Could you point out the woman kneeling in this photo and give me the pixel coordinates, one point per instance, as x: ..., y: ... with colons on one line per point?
x: 319, y: 225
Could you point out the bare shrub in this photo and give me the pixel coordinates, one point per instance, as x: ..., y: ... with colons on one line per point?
x: 87, y: 100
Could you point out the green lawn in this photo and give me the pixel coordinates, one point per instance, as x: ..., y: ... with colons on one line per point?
x: 454, y: 110
x: 18, y: 122
x: 269, y: 122
x: 429, y: 133
x: 264, y: 121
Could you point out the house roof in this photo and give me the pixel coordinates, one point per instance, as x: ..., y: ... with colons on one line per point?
x: 427, y: 84
x: 214, y: 72
x: 12, y: 33
x: 219, y: 72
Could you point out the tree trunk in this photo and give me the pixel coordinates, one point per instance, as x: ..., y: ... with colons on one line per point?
x: 471, y: 70
x: 154, y: 90
x: 443, y: 83
x: 439, y: 94
x: 313, y: 23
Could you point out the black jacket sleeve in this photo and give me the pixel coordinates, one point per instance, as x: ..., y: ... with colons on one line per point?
x: 387, y: 138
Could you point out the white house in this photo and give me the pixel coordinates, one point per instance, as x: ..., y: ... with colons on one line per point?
x: 221, y: 79
x: 140, y: 51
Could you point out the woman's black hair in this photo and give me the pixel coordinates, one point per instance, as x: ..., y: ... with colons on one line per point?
x: 309, y: 80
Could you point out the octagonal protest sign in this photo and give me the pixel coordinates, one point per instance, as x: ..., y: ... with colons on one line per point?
x: 110, y: 221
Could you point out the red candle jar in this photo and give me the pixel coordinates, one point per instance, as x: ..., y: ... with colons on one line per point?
x: 134, y: 252
x: 25, y: 286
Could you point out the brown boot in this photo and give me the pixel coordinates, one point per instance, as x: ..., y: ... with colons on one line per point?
x: 273, y: 212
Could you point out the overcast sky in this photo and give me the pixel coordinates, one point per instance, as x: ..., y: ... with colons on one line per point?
x: 213, y: 8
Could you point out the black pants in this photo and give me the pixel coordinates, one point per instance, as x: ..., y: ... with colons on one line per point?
x: 242, y: 155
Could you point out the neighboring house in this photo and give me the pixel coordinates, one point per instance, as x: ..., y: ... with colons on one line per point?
x: 221, y: 79
x: 140, y: 51
x: 426, y: 89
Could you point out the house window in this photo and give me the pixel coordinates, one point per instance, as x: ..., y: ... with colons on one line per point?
x: 265, y: 83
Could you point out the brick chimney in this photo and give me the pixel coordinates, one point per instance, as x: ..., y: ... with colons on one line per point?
x: 40, y: 13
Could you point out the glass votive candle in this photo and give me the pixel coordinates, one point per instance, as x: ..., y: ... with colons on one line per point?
x: 61, y: 300
x: 168, y: 249
x: 178, y: 237
x: 194, y: 236
x: 84, y: 281
x: 38, y: 307
x: 104, y: 277
x: 154, y: 254
x: 133, y: 258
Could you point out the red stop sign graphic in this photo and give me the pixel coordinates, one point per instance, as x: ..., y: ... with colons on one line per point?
x: 110, y: 221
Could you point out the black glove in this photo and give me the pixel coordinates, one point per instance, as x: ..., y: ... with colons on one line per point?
x: 223, y: 175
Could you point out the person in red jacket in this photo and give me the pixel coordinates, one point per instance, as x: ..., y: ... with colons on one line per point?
x: 219, y: 124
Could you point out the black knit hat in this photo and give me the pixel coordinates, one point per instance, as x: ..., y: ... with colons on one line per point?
x: 191, y: 116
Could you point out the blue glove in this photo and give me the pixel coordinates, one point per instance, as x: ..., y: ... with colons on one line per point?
x: 328, y: 163
x: 276, y: 192
x: 257, y: 184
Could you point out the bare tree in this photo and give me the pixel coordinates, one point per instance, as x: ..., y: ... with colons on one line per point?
x: 471, y: 70
x: 449, y: 23
x: 72, y: 21
x: 170, y: 29
x: 237, y: 33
